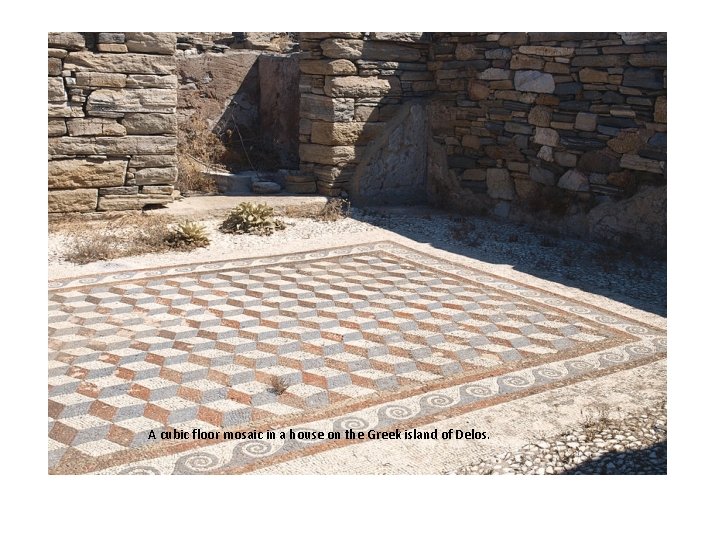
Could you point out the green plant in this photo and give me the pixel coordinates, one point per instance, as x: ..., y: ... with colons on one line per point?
x: 253, y: 219
x: 187, y: 235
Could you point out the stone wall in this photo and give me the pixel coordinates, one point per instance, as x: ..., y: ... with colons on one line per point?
x: 112, y: 125
x: 566, y: 130
x: 362, y: 119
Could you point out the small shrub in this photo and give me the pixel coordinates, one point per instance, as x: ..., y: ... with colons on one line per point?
x: 199, y: 151
x: 334, y: 210
x: 253, y: 219
x: 187, y: 236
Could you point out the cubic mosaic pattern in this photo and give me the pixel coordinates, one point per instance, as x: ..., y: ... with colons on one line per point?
x: 247, y: 344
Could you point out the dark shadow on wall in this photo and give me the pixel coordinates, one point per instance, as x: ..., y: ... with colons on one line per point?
x: 650, y: 460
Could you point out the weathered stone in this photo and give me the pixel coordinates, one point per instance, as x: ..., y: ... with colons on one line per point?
x: 499, y: 184
x: 542, y: 176
x: 266, y: 188
x: 534, y: 81
x: 651, y: 59
x: 537, y: 37
x: 150, y: 124
x: 342, y: 48
x: 132, y: 144
x: 589, y: 75
x: 344, y: 133
x: 545, y: 153
x: 660, y: 114
x: 568, y: 89
x: 131, y: 100
x: 151, y: 81
x: 540, y: 116
x: 600, y: 60
x: 498, y: 54
x: 56, y: 128
x: 556, y: 67
x: 627, y: 142
x: 112, y: 48
x: 546, y: 51
x: 120, y: 190
x: 101, y: 80
x: 526, y: 189
x: 465, y: 51
x: 478, y: 90
x: 326, y: 109
x: 637, y: 163
x: 360, y: 87
x: 150, y: 42
x: 79, y: 127
x: 56, y: 89
x: 494, y: 74
x: 72, y: 41
x: 658, y: 140
x: 57, y: 53
x: 574, y: 180
x: 643, y: 78
x: 65, y: 110
x: 475, y: 175
x: 155, y: 175
x: 327, y: 155
x: 565, y: 159
x: 513, y: 38
x: 546, y: 137
x: 54, y: 67
x: 410, y: 37
x: 586, y: 121
x: 111, y: 37
x: 599, y: 161
x: 140, y: 162
x: 74, y: 200
x: 325, y: 67
x: 158, y: 190
x: 642, y: 38
x: 521, y: 61
x: 353, y: 49
x: 471, y: 141
x: 84, y: 173
x: 121, y: 63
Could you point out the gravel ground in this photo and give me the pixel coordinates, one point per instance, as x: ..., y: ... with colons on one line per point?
x: 636, y: 444
x: 627, y: 277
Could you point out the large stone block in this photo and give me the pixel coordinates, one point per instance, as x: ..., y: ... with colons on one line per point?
x: 546, y: 137
x: 537, y: 50
x: 499, y: 184
x: 328, y: 67
x: 139, y: 162
x: 589, y: 75
x: 54, y: 67
x: 494, y: 74
x: 574, y: 180
x: 150, y: 124
x: 409, y: 37
x: 141, y: 100
x: 478, y: 90
x: 353, y: 49
x: 637, y: 163
x: 342, y: 48
x: 100, y: 80
x: 72, y: 41
x: 361, y: 87
x: 149, y: 64
x: 65, y: 110
x: 112, y: 146
x: 156, y: 175
x: 344, y: 133
x: 534, y: 81
x: 327, y: 109
x: 56, y: 89
x: 150, y: 42
x: 540, y: 116
x: 84, y: 173
x: 586, y: 121
x: 651, y: 59
x: 56, y: 128
x: 74, y: 200
x: 152, y: 81
x: 627, y: 142
x: 642, y: 38
x: 84, y: 127
x: 651, y: 79
x: 327, y: 155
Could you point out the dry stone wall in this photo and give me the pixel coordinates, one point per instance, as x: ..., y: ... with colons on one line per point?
x: 112, y: 127
x: 561, y: 129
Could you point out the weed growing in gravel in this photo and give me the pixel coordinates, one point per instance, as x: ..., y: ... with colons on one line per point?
x: 334, y: 210
x: 251, y: 219
x: 187, y: 236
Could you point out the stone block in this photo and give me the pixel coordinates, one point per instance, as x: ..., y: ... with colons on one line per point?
x: 327, y: 155
x: 65, y: 110
x: 494, y: 74
x: 152, y: 81
x: 586, y: 121
x: 113, y: 146
x: 540, y: 116
x: 509, y: 39
x: 149, y: 64
x: 151, y: 42
x: 344, y: 133
x: 498, y: 54
x: 538, y: 50
x: 342, y: 48
x: 111, y: 37
x: 410, y: 37
x: 156, y: 175
x: 74, y: 200
x: 100, y: 80
x: 112, y: 48
x: 589, y: 75
x: 521, y: 61
x: 637, y: 163
x: 565, y: 159
x: 56, y: 89
x: 478, y: 90
x: 54, y: 67
x: 574, y: 180
x: 139, y: 162
x: 642, y: 38
x: 660, y: 114
x: 599, y: 161
x: 328, y: 67
x: 652, y: 79
x: 150, y: 124
x: 72, y: 41
x: 542, y: 176
x: 83, y: 127
x: 84, y: 173
x: 57, y: 53
x: 499, y: 184
x: 651, y: 59
x: 143, y: 100
x: 546, y: 137
x: 326, y: 109
x: 360, y: 87
x: 534, y: 81
x: 56, y: 128
x: 465, y: 51
x: 627, y: 142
